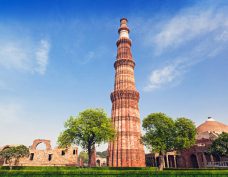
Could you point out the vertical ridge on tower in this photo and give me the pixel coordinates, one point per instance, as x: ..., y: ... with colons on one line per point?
x: 126, y: 150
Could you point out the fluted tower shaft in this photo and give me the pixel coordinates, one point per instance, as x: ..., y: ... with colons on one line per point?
x: 126, y: 150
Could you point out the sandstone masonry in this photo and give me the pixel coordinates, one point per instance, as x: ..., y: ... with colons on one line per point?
x: 49, y: 156
x: 126, y: 150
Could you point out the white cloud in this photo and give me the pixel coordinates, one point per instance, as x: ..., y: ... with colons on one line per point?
x: 13, y: 56
x: 192, y: 36
x: 42, y: 56
x: 166, y: 75
x: 188, y: 25
x: 20, y: 52
x: 223, y: 36
x: 161, y: 76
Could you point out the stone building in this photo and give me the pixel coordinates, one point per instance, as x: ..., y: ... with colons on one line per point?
x: 197, y: 156
x: 101, y: 161
x: 126, y: 150
x: 48, y: 156
x: 170, y: 158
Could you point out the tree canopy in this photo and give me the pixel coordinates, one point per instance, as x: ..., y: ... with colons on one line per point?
x: 164, y: 134
x: 102, y: 154
x: 185, y: 133
x: 159, y: 132
x: 90, y: 127
x: 220, y: 145
x: 84, y: 156
x: 13, y: 154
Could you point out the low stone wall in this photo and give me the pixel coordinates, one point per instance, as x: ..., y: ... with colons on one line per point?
x: 52, y: 157
x: 48, y: 156
x: 1, y: 162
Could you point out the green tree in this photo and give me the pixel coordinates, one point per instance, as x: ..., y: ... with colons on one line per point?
x: 84, y: 156
x: 90, y: 127
x: 220, y: 145
x: 163, y: 134
x: 185, y: 133
x: 11, y: 155
x: 102, y: 154
x: 159, y: 134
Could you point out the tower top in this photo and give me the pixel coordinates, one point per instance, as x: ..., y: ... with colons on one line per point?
x: 123, y: 29
x: 123, y: 19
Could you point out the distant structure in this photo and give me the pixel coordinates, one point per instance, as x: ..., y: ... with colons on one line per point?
x: 48, y: 156
x: 197, y: 156
x: 101, y: 161
x: 126, y: 150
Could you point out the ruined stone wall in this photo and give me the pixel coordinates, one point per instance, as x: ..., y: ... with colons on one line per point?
x: 49, y: 156
x: 1, y: 162
x: 42, y: 158
x: 196, y: 156
x: 100, y: 162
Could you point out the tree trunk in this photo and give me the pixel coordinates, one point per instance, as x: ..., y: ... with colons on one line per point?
x: 10, y: 161
x: 89, y: 155
x: 92, y: 156
x: 161, y: 161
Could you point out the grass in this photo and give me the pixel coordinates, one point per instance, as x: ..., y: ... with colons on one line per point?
x: 108, y: 172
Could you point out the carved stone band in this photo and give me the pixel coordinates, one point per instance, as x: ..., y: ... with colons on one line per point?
x: 123, y: 41
x: 129, y: 118
x: 125, y: 94
x: 128, y: 133
x: 124, y: 62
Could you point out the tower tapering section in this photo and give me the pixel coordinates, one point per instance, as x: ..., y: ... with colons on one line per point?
x: 126, y: 150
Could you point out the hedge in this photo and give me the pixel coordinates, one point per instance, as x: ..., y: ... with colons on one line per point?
x: 106, y: 172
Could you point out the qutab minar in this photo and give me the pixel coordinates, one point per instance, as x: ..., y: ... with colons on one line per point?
x: 126, y: 150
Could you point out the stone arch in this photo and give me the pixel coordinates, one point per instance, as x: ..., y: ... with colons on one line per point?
x: 36, y: 142
x: 5, y: 147
x: 194, y: 161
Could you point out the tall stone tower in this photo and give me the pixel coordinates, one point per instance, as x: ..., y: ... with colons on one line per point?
x: 126, y: 150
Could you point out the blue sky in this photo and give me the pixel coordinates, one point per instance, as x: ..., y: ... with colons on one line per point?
x: 56, y: 59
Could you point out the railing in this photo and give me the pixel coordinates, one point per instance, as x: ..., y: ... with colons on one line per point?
x: 217, y: 164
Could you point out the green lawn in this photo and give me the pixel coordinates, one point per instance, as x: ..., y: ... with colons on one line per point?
x: 107, y: 172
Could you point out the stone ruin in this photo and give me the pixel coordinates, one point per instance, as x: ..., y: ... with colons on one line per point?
x: 48, y: 156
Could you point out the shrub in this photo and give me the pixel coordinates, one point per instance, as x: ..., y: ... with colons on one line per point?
x: 107, y: 172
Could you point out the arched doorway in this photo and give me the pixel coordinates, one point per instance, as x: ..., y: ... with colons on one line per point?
x: 157, y: 163
x: 98, y: 163
x: 194, y: 161
x: 216, y: 157
x: 41, y: 146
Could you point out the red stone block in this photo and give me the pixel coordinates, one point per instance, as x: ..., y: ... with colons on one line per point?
x: 126, y: 150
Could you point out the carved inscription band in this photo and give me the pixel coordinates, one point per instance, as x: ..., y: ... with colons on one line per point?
x: 125, y: 94
x: 124, y: 62
x: 123, y: 41
x: 129, y: 118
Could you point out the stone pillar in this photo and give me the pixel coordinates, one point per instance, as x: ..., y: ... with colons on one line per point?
x: 198, y: 161
x: 211, y: 157
x: 167, y: 160
x: 175, y: 161
x: 126, y: 150
x: 204, y: 160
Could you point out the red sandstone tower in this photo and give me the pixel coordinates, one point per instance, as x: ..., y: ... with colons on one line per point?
x: 126, y: 150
